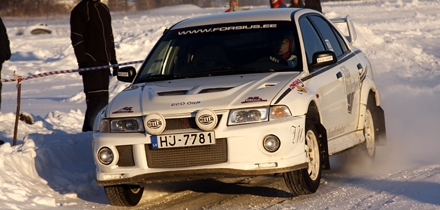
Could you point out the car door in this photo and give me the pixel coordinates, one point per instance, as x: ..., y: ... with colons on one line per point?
x: 348, y: 65
x: 327, y: 82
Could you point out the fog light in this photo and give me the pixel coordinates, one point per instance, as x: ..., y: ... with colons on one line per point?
x: 271, y: 143
x: 155, y: 124
x: 105, y: 155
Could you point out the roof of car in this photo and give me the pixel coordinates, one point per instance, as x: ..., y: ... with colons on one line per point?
x: 283, y: 14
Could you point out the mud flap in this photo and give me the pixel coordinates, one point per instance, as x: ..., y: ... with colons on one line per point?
x: 379, y: 122
x: 324, y: 146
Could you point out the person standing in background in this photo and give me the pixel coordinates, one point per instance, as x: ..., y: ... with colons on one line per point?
x: 93, y: 43
x: 233, y: 6
x: 313, y: 4
x: 296, y: 4
x: 277, y: 4
x: 5, y: 52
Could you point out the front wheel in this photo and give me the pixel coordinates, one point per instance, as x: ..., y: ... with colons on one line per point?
x: 124, y: 195
x: 306, y: 181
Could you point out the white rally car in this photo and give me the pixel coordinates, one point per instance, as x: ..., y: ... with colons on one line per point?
x: 239, y: 94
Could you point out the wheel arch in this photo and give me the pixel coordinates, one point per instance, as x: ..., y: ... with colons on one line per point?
x: 368, y: 92
x: 368, y: 87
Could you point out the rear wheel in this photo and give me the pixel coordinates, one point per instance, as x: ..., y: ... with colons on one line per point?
x: 370, y: 137
x: 363, y: 155
x: 124, y: 195
x: 306, y: 181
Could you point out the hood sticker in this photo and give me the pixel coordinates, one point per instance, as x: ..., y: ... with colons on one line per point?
x: 227, y: 28
x: 298, y: 85
x: 186, y: 103
x: 253, y: 99
x: 124, y: 110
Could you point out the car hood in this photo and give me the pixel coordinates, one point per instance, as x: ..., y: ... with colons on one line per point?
x: 191, y: 94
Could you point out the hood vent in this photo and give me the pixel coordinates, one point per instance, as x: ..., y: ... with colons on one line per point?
x: 184, y: 92
x: 173, y: 93
x: 211, y: 90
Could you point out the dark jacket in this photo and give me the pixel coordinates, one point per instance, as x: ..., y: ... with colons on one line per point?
x: 5, y: 50
x: 91, y: 34
x: 314, y: 4
x: 300, y: 4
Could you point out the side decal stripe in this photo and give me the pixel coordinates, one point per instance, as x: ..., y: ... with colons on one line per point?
x: 316, y: 73
x: 283, y: 95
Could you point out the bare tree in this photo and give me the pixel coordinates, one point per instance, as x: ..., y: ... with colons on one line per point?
x: 4, y: 5
x: 32, y: 8
x: 119, y: 5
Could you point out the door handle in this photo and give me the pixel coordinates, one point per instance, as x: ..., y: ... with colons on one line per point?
x: 360, y: 67
x: 339, y: 75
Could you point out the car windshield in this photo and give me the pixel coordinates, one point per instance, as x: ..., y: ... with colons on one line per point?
x: 225, y: 49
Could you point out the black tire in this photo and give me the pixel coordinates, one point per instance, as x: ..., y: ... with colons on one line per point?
x: 306, y: 181
x: 124, y: 195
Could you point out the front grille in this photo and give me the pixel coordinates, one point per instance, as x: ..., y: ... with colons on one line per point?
x: 187, y: 156
x: 181, y: 123
x: 184, y: 123
x: 125, y: 155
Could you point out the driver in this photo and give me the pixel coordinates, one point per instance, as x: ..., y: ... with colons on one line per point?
x: 284, y: 55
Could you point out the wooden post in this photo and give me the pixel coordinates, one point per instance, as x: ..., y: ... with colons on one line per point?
x: 17, y: 114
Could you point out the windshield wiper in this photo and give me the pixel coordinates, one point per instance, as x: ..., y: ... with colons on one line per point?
x: 160, y: 77
x: 229, y: 71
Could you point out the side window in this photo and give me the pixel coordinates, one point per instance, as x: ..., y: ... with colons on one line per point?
x: 157, y: 63
x: 327, y: 34
x: 312, y: 42
x: 341, y: 41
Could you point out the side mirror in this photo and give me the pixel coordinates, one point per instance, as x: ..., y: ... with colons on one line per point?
x: 323, y: 58
x: 126, y: 74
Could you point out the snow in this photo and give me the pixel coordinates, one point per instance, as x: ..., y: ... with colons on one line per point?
x: 51, y: 167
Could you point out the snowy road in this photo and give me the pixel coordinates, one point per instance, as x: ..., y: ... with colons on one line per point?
x: 412, y: 189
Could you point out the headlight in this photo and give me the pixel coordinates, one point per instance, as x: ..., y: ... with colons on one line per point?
x: 125, y: 125
x: 261, y: 114
x: 242, y: 116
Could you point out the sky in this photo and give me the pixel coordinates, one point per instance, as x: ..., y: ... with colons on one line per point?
x: 51, y: 167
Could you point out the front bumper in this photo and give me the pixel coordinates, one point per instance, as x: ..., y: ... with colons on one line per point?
x: 186, y: 175
x: 239, y: 152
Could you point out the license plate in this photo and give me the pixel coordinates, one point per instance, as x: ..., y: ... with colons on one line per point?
x: 182, y: 140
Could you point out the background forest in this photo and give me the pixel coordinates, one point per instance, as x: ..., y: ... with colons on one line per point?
x: 39, y: 8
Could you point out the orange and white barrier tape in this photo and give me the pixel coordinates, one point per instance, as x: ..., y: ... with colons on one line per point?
x: 68, y: 71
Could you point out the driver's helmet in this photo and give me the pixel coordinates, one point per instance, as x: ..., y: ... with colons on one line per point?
x: 279, y: 43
